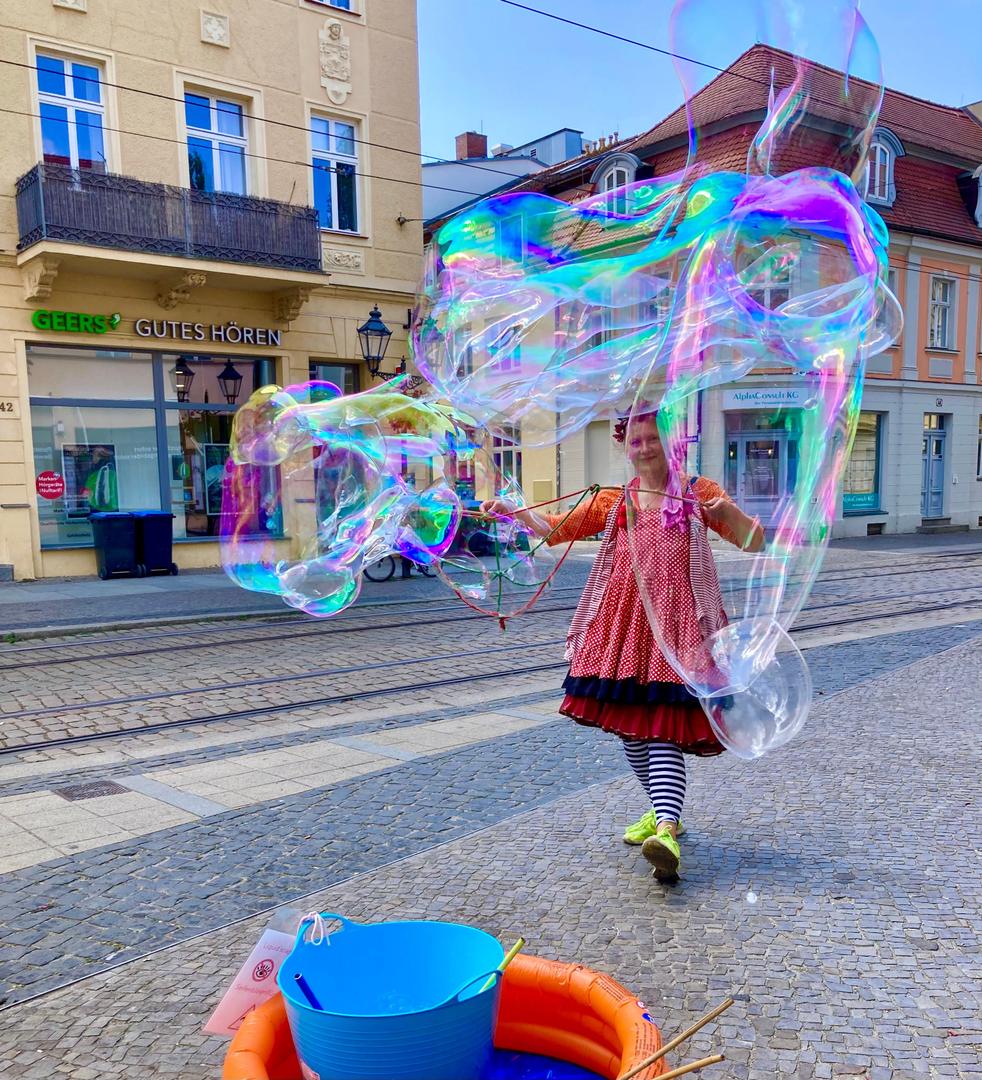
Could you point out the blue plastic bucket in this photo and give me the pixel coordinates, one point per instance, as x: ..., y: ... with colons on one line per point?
x: 398, y: 1000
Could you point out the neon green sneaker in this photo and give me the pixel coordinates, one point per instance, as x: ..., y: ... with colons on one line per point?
x: 662, y: 851
x: 644, y: 827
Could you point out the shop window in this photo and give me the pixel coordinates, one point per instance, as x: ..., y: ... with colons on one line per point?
x: 131, y: 431
x: 73, y: 113
x: 861, y: 485
x: 334, y: 150
x: 941, y: 331
x: 343, y: 376
x: 53, y: 371
x: 205, y: 380
x: 217, y: 143
x: 108, y: 458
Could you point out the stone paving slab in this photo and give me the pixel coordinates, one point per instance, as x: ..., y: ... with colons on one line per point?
x: 858, y: 957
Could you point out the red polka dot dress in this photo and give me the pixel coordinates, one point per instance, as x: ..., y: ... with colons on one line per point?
x: 619, y: 679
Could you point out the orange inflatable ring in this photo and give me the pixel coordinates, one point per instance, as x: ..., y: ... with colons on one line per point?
x: 563, y: 1011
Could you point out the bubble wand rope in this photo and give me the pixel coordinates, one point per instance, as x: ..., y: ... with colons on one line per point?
x: 503, y: 619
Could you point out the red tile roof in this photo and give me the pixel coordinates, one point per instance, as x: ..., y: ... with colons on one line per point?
x: 744, y: 87
x: 928, y: 199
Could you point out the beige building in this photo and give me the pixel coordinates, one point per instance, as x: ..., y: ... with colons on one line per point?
x: 197, y: 200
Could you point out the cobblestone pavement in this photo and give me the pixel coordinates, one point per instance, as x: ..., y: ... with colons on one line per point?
x: 858, y: 957
x: 837, y: 967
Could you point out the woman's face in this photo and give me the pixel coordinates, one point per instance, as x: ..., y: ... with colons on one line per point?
x: 643, y: 444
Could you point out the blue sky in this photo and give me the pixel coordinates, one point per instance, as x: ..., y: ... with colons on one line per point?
x: 515, y: 75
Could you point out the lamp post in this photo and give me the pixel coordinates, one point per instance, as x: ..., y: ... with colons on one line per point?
x: 374, y: 339
x: 230, y: 381
x: 182, y: 376
x: 373, y: 336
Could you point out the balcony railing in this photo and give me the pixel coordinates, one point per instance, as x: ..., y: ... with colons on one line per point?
x: 81, y: 207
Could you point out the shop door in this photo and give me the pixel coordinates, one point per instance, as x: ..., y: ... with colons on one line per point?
x: 757, y: 472
x: 932, y: 473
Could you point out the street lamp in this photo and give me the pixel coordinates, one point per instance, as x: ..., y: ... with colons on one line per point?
x: 374, y: 338
x: 182, y: 376
x: 230, y: 381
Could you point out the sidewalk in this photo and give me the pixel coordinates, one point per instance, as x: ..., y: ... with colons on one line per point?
x: 28, y: 608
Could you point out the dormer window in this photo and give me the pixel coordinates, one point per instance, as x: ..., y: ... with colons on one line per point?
x: 614, y: 174
x: 883, y: 152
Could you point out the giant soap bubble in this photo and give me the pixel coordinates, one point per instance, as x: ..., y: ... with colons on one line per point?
x: 352, y: 479
x: 661, y: 301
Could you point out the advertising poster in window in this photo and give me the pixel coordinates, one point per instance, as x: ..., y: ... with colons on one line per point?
x: 91, y: 480
x: 215, y: 455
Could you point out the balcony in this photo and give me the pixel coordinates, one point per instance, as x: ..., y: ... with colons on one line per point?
x: 86, y: 221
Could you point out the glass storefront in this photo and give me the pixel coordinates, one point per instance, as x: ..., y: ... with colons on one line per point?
x: 762, y: 458
x: 134, y: 430
x: 861, y: 484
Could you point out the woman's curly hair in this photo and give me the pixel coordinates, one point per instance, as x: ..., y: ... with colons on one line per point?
x: 620, y: 428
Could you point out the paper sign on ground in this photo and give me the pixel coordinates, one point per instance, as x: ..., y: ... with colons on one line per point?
x: 254, y: 984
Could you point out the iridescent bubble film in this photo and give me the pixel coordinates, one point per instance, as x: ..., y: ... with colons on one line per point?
x: 661, y: 301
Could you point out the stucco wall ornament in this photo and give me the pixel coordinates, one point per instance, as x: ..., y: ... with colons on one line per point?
x: 339, y: 259
x: 215, y: 29
x: 335, y: 61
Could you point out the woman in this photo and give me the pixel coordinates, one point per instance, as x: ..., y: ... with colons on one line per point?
x: 619, y: 679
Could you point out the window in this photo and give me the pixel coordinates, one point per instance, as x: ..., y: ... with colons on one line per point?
x: 335, y: 166
x: 508, y: 456
x: 343, y: 376
x: 217, y: 144
x: 72, y: 113
x: 613, y: 174
x: 344, y: 5
x: 861, y: 487
x: 616, y: 180
x: 464, y: 348
x: 879, y: 178
x: 941, y: 331
x: 533, y: 153
x: 505, y: 350
x: 655, y: 311
x: 978, y: 453
x: 111, y: 423
x: 510, y: 235
x: 878, y: 173
x: 776, y: 289
x: 882, y: 323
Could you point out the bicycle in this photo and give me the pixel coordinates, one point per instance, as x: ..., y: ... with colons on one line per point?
x: 384, y: 569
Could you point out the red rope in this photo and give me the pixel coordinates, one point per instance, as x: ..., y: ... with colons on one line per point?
x: 503, y: 619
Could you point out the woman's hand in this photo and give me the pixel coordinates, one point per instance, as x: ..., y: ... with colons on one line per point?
x: 747, y: 531
x: 498, y: 508
x: 505, y: 508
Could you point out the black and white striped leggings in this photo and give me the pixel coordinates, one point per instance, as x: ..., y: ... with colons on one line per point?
x: 660, y: 769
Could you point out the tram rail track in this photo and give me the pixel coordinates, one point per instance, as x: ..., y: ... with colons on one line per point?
x: 343, y: 625
x: 67, y: 741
